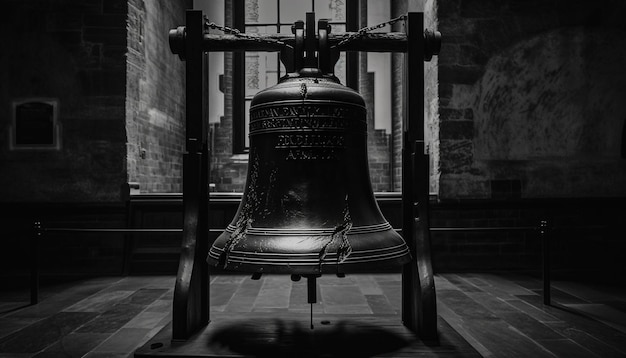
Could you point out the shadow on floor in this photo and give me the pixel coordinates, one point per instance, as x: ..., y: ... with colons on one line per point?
x: 284, y: 338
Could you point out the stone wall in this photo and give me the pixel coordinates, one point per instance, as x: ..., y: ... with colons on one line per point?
x: 531, y: 99
x: 120, y: 93
x: 155, y: 101
x: 73, y: 52
x: 431, y: 100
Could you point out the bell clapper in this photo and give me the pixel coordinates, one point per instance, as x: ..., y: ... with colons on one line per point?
x: 311, y: 285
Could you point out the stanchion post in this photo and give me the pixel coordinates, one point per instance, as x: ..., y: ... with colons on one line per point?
x: 544, y: 236
x: 35, y: 238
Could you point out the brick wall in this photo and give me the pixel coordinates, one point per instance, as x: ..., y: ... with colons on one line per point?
x: 155, y: 101
x: 74, y: 52
x: 531, y: 99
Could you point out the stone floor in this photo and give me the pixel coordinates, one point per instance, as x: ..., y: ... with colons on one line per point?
x: 499, y: 315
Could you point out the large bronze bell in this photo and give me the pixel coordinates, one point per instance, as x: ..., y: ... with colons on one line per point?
x: 308, y: 207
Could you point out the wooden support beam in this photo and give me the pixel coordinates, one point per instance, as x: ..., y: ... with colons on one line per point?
x: 370, y: 42
x: 191, y: 291
x: 352, y: 57
x: 419, y: 312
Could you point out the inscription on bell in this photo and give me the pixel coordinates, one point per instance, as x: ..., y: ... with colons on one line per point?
x: 307, y: 132
x: 311, y: 154
x: 301, y: 111
x: 310, y: 140
x: 305, y: 117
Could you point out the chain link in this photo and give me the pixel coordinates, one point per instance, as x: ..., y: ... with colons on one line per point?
x: 236, y: 32
x: 362, y: 32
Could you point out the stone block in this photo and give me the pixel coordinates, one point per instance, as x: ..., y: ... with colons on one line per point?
x: 449, y: 54
x: 447, y: 114
x: 63, y: 21
x: 105, y: 21
x: 472, y: 55
x: 70, y: 39
x: 464, y: 186
x: 456, y: 130
x: 506, y: 189
x: 448, y: 9
x: 110, y: 36
x: 481, y: 8
x: 115, y: 7
x: 458, y: 74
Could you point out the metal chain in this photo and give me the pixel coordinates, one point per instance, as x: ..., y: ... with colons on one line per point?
x: 362, y: 32
x: 236, y: 32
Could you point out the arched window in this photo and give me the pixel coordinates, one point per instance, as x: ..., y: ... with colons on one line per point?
x: 34, y: 124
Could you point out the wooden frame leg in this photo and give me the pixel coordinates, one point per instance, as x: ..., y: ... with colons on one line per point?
x: 191, y: 292
x: 419, y: 311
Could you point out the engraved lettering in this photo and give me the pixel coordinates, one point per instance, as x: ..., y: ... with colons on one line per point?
x: 308, y: 132
x: 310, y: 140
x: 307, y: 117
x: 311, y: 154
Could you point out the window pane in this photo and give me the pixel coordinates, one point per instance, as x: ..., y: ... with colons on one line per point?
x: 272, y: 68
x: 285, y: 29
x: 335, y: 10
x: 293, y: 10
x: 253, y: 75
x: 261, y: 71
x: 261, y: 11
x: 337, y: 28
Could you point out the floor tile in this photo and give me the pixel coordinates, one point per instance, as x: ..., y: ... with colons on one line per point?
x: 274, y: 293
x: 379, y: 304
x: 125, y: 340
x: 13, y: 324
x: 99, y: 302
x: 74, y: 345
x: 144, y: 296
x: 499, y: 315
x: 160, y: 305
x: 146, y: 319
x: 603, y: 313
x: 45, y: 332
x: 367, y: 284
x: 342, y: 295
x: 113, y: 319
x: 243, y: 298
